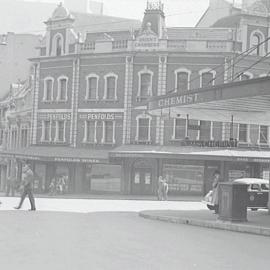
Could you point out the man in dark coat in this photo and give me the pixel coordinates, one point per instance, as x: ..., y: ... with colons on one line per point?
x: 27, y: 185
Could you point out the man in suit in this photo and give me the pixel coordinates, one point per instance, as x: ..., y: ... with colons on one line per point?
x: 27, y: 186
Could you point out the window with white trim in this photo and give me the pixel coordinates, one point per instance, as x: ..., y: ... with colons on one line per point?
x: 143, y: 132
x: 46, y: 131
x: 48, y: 89
x: 90, y: 131
x: 58, y: 45
x: 13, y: 143
x: 145, y: 84
x: 62, y: 89
x: 207, y: 79
x: 91, y: 87
x: 24, y: 137
x: 110, y: 91
x: 182, y: 80
x: 243, y: 132
x: 60, y: 131
x: 256, y: 38
x: 263, y: 134
x: 108, y: 132
x: 180, y: 129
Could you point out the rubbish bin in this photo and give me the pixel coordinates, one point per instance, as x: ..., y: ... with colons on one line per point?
x: 233, y: 198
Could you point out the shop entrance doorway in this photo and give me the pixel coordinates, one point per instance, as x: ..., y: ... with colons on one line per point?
x: 142, y: 178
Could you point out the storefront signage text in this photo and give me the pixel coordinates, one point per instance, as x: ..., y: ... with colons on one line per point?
x: 83, y: 160
x: 147, y: 42
x: 100, y: 116
x: 229, y: 143
x: 55, y: 116
x: 178, y: 100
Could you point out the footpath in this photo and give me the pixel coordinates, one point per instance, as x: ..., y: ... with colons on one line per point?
x: 258, y: 221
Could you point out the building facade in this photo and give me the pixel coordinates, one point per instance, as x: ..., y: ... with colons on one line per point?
x: 90, y: 119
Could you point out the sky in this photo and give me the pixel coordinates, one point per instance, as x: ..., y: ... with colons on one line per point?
x: 178, y: 12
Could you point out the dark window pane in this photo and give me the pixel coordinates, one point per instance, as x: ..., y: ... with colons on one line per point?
x: 48, y: 90
x: 182, y: 81
x: 145, y: 85
x: 111, y: 87
x: 108, y: 131
x: 143, y: 129
x: 207, y: 79
x: 205, y: 130
x: 92, y: 88
x: 263, y: 134
x: 90, y: 131
x: 47, y: 130
x: 180, y: 128
x: 63, y: 89
x: 61, y: 126
x: 242, y: 132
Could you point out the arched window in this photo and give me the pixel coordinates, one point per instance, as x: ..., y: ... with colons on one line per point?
x: 91, y: 87
x: 143, y: 132
x: 62, y: 88
x: 256, y: 38
x: 145, y: 84
x: 48, y: 89
x: 110, y: 89
x: 182, y: 79
x: 207, y: 78
x: 58, y: 45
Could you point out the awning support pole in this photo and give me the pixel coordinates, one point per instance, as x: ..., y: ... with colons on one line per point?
x: 231, y: 128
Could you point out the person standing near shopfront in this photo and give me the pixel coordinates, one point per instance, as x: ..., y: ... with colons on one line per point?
x: 27, y: 186
x: 215, y: 187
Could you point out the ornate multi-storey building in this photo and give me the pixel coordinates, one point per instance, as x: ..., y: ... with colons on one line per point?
x: 89, y: 116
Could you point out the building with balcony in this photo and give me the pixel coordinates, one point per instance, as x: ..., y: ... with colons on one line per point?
x: 90, y: 102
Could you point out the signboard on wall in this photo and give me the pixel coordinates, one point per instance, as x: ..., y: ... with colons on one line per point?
x: 100, y: 116
x: 54, y: 116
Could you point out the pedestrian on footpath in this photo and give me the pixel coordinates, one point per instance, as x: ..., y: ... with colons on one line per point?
x: 160, y: 188
x: 165, y: 189
x: 215, y: 187
x: 27, y: 187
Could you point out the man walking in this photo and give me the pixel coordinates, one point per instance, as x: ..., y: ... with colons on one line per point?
x: 27, y: 185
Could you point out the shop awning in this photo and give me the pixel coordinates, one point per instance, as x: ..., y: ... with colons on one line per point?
x: 58, y: 154
x: 190, y: 153
x: 247, y: 101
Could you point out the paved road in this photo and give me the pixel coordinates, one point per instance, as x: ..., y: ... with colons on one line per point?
x: 120, y: 240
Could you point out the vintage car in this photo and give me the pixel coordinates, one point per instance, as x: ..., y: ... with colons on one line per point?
x: 258, y: 193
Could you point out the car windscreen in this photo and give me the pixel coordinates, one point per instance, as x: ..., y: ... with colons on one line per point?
x: 265, y: 186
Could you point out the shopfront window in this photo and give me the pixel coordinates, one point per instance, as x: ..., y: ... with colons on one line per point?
x: 184, y: 179
x: 180, y: 129
x: 104, y: 178
x: 243, y: 132
x: 264, y: 134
